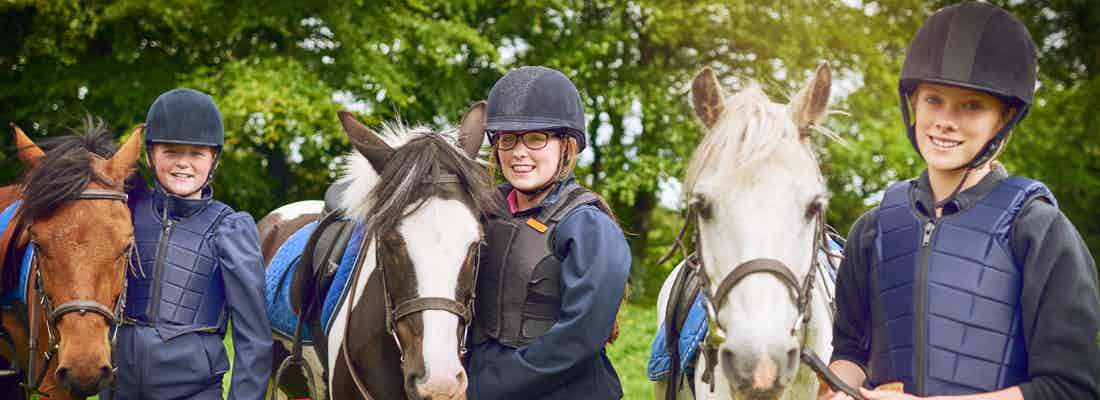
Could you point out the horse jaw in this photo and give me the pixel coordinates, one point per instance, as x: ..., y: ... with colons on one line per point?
x: 438, y: 238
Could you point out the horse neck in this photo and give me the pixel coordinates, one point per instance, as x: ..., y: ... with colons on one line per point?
x: 379, y: 361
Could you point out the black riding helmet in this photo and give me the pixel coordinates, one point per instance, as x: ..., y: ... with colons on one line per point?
x: 536, y: 98
x: 974, y: 46
x: 186, y: 116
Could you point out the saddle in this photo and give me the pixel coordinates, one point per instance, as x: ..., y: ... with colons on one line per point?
x: 319, y: 262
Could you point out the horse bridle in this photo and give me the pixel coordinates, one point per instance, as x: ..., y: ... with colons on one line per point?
x: 801, y: 292
x: 54, y: 314
x: 394, y: 314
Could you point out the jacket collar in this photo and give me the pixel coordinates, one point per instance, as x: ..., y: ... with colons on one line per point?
x: 176, y: 207
x: 964, y: 200
x: 507, y: 190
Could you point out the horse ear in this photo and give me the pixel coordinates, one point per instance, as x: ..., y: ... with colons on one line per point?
x: 122, y: 163
x: 707, y: 97
x: 369, y: 144
x: 29, y: 153
x: 471, y: 132
x: 809, y: 106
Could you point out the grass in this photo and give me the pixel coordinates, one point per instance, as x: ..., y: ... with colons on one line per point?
x: 629, y: 354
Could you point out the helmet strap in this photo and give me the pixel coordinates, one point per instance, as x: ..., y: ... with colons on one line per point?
x: 553, y: 182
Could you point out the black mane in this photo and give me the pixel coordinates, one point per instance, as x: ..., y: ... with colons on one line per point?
x: 409, y: 177
x: 66, y: 170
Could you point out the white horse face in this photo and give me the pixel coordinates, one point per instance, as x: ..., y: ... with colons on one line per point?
x: 756, y: 187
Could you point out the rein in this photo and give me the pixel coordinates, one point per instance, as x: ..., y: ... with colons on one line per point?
x: 395, y: 313
x: 801, y: 293
x: 53, y: 315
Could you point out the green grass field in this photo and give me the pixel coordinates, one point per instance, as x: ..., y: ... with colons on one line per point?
x: 629, y: 353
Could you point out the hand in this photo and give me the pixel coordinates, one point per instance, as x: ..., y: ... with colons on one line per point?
x: 827, y: 393
x: 886, y: 395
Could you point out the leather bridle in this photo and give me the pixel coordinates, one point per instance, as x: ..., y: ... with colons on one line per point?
x: 801, y: 290
x: 395, y: 313
x: 54, y: 314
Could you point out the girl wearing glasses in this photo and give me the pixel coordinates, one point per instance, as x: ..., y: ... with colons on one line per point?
x: 554, y: 266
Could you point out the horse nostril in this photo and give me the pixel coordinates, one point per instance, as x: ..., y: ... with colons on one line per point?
x: 62, y: 374
x: 792, y: 358
x: 105, y: 374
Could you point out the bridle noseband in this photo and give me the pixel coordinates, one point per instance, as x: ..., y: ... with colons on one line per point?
x: 54, y: 314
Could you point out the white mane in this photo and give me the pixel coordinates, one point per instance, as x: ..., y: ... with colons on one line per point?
x: 754, y: 127
x: 355, y: 201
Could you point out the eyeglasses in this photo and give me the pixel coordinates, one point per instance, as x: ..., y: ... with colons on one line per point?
x: 533, y: 140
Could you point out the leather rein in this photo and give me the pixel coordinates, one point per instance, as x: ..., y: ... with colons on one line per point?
x: 53, y: 314
x: 395, y: 313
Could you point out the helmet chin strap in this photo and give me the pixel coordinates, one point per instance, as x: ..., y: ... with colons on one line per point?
x: 553, y: 182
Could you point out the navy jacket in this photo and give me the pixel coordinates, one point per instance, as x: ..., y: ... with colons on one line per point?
x: 193, y: 360
x: 568, y: 361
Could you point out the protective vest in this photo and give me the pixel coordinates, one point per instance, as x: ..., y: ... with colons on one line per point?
x: 519, y: 277
x: 946, y: 294
x: 175, y: 284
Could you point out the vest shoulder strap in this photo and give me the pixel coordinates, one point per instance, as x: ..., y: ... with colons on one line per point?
x: 575, y: 196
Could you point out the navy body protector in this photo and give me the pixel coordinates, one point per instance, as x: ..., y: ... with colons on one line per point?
x: 178, y: 285
x: 946, y: 294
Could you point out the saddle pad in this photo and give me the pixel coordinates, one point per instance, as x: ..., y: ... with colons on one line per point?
x: 19, y: 294
x: 339, y: 286
x: 280, y: 271
x: 277, y: 283
x: 692, y: 334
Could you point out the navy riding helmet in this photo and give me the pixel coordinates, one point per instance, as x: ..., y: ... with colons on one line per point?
x: 974, y: 46
x: 534, y: 98
x: 185, y: 116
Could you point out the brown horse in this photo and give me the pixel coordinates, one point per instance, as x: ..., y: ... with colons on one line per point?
x: 420, y: 198
x: 73, y: 214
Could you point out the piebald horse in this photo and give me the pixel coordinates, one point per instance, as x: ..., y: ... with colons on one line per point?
x: 73, y: 213
x: 420, y: 198
x: 757, y: 200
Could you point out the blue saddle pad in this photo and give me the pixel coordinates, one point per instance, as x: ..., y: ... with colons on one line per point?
x: 19, y: 293
x: 692, y: 334
x: 280, y: 271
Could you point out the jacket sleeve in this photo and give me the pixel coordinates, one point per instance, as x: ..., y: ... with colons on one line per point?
x: 853, y: 316
x: 1059, y: 306
x: 243, y: 273
x: 595, y: 263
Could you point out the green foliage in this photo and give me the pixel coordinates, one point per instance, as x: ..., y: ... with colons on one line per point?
x: 274, y: 69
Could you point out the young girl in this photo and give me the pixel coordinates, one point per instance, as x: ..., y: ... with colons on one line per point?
x: 967, y: 283
x: 197, y: 267
x: 554, y: 268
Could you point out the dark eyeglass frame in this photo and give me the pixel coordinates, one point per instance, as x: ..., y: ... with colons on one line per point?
x: 521, y: 137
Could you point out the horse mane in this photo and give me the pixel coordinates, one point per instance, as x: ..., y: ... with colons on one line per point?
x: 66, y: 170
x: 756, y: 128
x: 420, y: 156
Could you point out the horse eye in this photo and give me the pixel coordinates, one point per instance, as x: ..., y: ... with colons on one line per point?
x: 817, y: 206
x: 701, y: 206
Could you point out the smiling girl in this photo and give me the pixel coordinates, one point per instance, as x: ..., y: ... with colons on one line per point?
x: 967, y: 283
x: 554, y: 267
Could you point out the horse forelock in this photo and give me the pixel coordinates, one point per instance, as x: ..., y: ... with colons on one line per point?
x: 752, y: 129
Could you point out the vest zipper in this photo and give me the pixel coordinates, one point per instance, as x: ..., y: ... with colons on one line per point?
x: 154, y: 306
x: 921, y: 297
